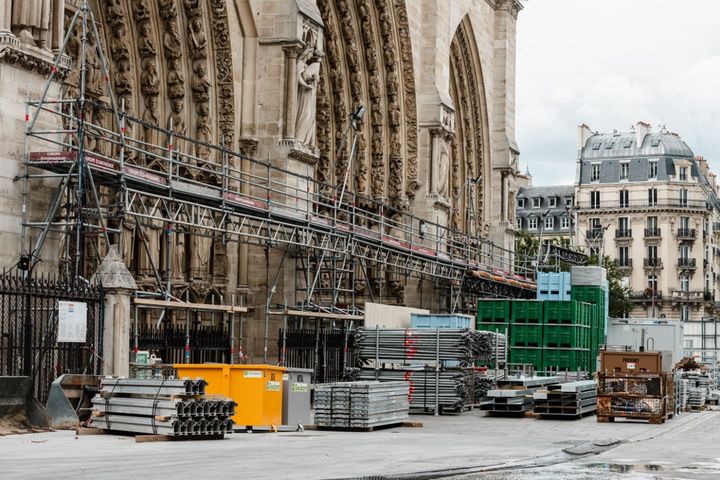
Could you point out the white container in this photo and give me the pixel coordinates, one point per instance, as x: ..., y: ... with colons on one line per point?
x: 588, y: 276
x: 660, y: 335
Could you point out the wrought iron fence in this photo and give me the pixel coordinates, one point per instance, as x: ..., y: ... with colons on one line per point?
x: 170, y: 342
x: 326, y: 351
x: 29, y: 329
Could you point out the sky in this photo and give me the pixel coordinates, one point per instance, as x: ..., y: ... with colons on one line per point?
x: 610, y: 64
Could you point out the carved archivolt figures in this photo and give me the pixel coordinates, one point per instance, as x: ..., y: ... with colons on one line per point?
x: 308, y: 74
x: 197, y: 39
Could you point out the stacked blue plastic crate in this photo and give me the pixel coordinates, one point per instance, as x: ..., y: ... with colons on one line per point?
x: 553, y: 286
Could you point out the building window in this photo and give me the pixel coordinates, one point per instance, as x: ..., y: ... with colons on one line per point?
x: 684, y: 252
x: 684, y: 283
x: 536, y: 202
x: 568, y: 201
x: 652, y: 252
x: 549, y: 223
x: 595, y: 199
x: 651, y: 223
x: 652, y: 169
x: 685, y: 223
x: 595, y: 224
x: 624, y: 256
x: 624, y: 198
x: 521, y: 203
x: 565, y: 222
x: 682, y: 174
x: 595, y: 172
x: 652, y: 282
x: 624, y: 225
x: 652, y: 197
x: 624, y: 170
x: 532, y: 223
x: 552, y: 202
x: 683, y: 197
x: 518, y: 223
x: 684, y: 313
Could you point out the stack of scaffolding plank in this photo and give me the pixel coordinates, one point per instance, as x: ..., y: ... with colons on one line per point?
x: 361, y: 405
x: 161, y: 407
x: 567, y: 400
x: 698, y: 389
x: 514, y: 395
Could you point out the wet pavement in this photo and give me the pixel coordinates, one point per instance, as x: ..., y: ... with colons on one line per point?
x: 687, y: 447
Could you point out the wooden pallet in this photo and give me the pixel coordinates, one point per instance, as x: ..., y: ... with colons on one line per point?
x: 145, y: 438
x: 369, y: 429
x: 653, y: 420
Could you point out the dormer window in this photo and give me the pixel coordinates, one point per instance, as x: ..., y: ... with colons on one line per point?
x: 595, y: 172
x: 552, y: 202
x: 536, y: 202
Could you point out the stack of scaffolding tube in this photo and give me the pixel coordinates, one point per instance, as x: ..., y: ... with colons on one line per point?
x: 361, y: 404
x: 436, y: 364
x: 461, y: 347
x: 161, y: 407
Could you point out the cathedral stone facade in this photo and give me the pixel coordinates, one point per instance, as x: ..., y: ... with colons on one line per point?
x: 276, y: 81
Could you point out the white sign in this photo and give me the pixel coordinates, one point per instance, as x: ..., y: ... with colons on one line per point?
x: 252, y: 374
x: 631, y: 365
x: 72, y: 322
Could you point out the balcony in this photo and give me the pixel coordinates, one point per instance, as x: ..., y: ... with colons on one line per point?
x: 646, y: 295
x: 624, y: 264
x: 643, y: 203
x: 652, y: 263
x: 686, y: 263
x: 686, y: 234
x: 594, y: 233
x: 622, y: 234
x: 689, y: 295
x: 652, y: 233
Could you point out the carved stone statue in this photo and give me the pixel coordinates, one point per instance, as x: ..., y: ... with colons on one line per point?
x: 308, y: 75
x: 128, y: 242
x: 33, y: 17
x: 94, y: 65
x: 100, y: 119
x: 149, y: 79
x: 146, y: 43
x: 197, y: 39
x: 141, y: 10
x: 171, y: 40
x: 200, y: 85
x: 150, y: 135
x: 121, y: 81
x: 176, y: 123
x: 204, y: 134
x: 394, y: 111
x: 176, y: 79
x: 200, y: 250
x: 443, y: 163
x: 179, y: 257
x: 118, y: 44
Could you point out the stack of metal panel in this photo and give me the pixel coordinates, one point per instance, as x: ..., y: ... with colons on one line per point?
x: 569, y: 400
x: 452, y: 388
x: 161, y: 407
x: 698, y: 388
x: 361, y: 404
x: 514, y: 395
x: 461, y: 347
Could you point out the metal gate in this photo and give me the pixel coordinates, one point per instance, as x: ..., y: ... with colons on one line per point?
x: 175, y: 344
x: 29, y: 329
x: 326, y: 351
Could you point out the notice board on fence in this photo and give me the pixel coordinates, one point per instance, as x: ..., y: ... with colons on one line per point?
x: 72, y: 322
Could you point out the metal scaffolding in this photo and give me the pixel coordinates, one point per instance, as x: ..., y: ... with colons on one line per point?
x: 335, y: 235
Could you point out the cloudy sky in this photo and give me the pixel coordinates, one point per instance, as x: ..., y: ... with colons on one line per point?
x: 609, y: 64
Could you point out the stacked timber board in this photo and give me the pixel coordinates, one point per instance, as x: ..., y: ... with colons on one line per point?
x: 161, y: 407
x: 567, y: 400
x: 514, y: 395
x: 361, y: 405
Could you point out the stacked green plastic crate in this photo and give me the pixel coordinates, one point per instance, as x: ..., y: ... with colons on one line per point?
x: 566, y: 335
x: 526, y: 332
x: 594, y: 293
x: 493, y: 315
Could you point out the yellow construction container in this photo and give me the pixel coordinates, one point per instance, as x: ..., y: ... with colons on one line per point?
x: 257, y: 389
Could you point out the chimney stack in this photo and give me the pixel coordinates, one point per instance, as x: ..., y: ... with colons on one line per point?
x: 584, y: 133
x: 641, y: 130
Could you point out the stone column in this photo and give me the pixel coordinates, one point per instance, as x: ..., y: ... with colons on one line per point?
x: 291, y: 90
x: 57, y: 25
x: 118, y: 285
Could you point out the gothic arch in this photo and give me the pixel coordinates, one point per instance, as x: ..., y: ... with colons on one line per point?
x: 368, y: 62
x: 470, y: 142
